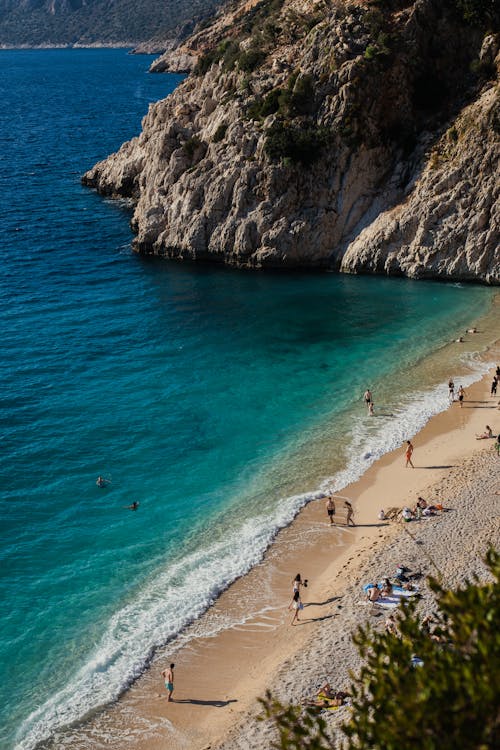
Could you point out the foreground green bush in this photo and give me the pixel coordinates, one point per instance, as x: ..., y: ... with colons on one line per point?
x: 452, y: 702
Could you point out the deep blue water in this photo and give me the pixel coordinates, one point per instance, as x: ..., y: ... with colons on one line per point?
x: 201, y: 392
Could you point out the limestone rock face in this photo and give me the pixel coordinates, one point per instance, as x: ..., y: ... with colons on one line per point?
x: 174, y: 61
x: 344, y: 139
x: 449, y: 224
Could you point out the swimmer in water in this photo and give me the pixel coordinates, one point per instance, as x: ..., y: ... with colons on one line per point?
x: 102, y: 482
x: 134, y: 506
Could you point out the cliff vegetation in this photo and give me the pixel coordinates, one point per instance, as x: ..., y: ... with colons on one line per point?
x: 42, y: 23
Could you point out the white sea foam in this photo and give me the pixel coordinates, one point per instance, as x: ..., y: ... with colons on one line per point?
x: 390, y: 432
x: 184, y: 590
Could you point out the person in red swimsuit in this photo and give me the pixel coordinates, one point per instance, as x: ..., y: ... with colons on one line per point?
x: 408, y: 454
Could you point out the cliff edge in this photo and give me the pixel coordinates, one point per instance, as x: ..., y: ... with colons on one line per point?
x: 358, y: 136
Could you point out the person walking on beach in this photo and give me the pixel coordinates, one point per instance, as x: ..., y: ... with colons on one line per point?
x: 461, y: 395
x: 350, y: 513
x: 330, y: 509
x: 368, y: 399
x: 408, y: 454
x: 451, y: 391
x: 298, y: 582
x: 494, y: 386
x: 168, y: 676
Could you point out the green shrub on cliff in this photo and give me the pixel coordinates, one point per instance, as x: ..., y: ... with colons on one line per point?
x: 248, y: 61
x: 220, y: 133
x: 192, y: 145
x: 301, y: 145
x: 262, y: 107
x: 478, y: 12
x: 302, y: 98
x: 232, y: 55
x: 451, y: 701
x: 227, y: 50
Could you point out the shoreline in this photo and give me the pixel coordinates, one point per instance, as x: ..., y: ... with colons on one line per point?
x: 451, y: 546
x: 244, y: 656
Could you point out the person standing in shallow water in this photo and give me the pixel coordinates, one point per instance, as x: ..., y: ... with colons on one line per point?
x: 494, y: 386
x: 461, y: 395
x: 296, y: 605
x: 451, y: 391
x: 330, y: 509
x: 408, y: 454
x: 368, y: 399
x: 350, y: 514
x: 168, y: 676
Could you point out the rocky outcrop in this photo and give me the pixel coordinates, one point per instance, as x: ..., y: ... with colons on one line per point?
x: 177, y: 60
x: 449, y: 224
x: 343, y: 137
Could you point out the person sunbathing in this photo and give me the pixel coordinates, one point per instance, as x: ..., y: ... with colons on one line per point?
x: 428, y: 627
x: 401, y: 574
x: 488, y: 433
x: 386, y: 587
x: 390, y: 625
x: 323, y: 697
x: 327, y: 698
x: 373, y: 593
x: 326, y: 691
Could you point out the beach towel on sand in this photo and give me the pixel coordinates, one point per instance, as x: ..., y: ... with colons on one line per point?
x: 389, y: 602
x: 386, y: 601
x: 400, y: 591
x: 399, y: 594
x: 397, y: 590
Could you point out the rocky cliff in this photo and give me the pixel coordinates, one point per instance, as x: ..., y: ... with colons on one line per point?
x: 358, y: 136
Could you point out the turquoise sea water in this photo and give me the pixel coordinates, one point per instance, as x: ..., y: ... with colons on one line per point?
x: 203, y: 393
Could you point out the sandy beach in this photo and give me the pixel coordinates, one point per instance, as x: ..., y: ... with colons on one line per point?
x: 220, y: 676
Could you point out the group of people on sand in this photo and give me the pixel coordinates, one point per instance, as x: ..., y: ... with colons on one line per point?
x: 327, y: 698
x: 460, y: 393
x: 423, y: 509
x: 330, y: 510
x: 374, y: 592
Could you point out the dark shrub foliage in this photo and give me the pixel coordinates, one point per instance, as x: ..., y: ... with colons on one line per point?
x: 191, y: 145
x: 301, y: 145
x: 479, y: 12
x: 220, y: 133
x: 449, y: 701
x: 248, y: 61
